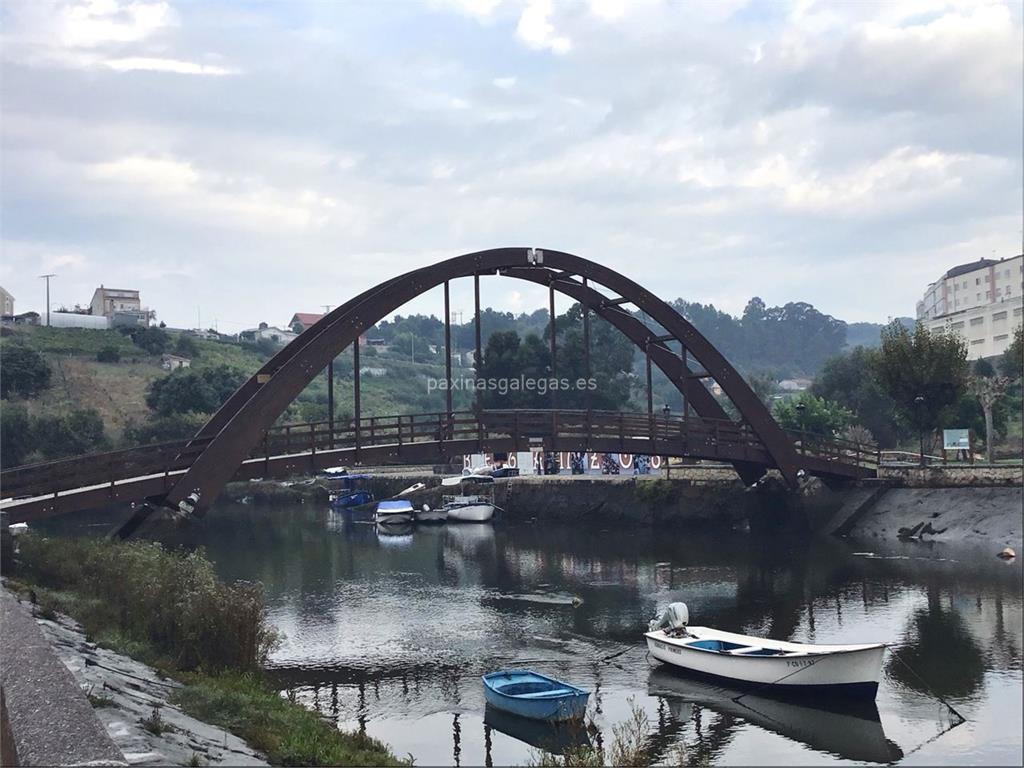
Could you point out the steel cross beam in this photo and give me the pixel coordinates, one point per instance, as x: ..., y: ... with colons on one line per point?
x: 244, y: 428
x: 643, y: 337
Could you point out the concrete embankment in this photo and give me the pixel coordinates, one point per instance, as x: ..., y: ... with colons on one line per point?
x: 975, y: 503
x: 979, y: 515
x: 46, y: 718
x: 982, y: 505
x: 70, y: 702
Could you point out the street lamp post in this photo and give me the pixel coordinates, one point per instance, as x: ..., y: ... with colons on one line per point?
x: 667, y: 410
x: 801, y: 407
x: 919, y: 402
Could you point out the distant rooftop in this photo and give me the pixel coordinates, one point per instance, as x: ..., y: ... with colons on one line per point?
x: 963, y: 269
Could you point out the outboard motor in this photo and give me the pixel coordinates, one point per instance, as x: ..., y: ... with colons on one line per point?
x: 673, y: 620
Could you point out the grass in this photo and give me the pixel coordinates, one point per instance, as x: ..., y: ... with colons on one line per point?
x: 170, y: 611
x: 630, y: 746
x: 287, y: 733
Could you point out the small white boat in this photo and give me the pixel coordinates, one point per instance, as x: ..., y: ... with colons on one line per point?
x: 468, y: 509
x: 394, y: 512
x: 427, y: 515
x: 412, y: 489
x: 854, y: 669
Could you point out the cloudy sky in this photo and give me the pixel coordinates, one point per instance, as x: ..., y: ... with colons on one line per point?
x: 243, y: 161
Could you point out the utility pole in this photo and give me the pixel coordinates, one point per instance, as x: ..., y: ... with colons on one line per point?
x: 47, y: 279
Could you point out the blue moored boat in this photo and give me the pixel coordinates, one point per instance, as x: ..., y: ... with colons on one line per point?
x: 532, y: 695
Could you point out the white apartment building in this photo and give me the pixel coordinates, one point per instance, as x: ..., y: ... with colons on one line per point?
x: 982, y: 301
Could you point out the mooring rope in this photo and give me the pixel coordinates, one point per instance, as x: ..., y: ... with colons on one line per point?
x: 924, y: 682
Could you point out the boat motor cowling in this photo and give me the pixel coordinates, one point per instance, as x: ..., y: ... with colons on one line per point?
x: 676, y: 616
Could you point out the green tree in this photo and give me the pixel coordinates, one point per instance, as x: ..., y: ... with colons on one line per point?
x: 988, y: 388
x: 24, y: 371
x: 924, y: 372
x: 1011, y: 364
x: 501, y: 362
x: 187, y: 390
x: 818, y: 416
x: 850, y: 381
x: 152, y: 339
x: 611, y: 362
x: 15, y: 435
x: 186, y: 346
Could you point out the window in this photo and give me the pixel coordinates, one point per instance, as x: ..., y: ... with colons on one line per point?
x: 988, y: 278
x: 1004, y: 337
x: 977, y: 321
x: 977, y: 281
x: 988, y: 294
x: 1017, y: 312
x: 977, y: 341
x: 957, y: 326
x: 979, y: 297
x: 999, y: 316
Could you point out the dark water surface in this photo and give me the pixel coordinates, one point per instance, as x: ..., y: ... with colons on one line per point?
x: 390, y: 634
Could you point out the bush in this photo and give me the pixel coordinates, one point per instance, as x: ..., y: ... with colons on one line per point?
x: 173, y: 602
x: 108, y: 355
x: 164, y: 429
x: 73, y: 434
x: 25, y: 372
x: 15, y: 435
x: 186, y: 391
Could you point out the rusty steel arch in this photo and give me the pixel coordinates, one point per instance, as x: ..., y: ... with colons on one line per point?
x: 241, y: 422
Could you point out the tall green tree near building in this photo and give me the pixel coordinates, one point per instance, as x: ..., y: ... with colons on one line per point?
x: 924, y: 372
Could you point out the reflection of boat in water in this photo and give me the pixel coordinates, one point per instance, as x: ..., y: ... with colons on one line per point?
x: 838, y: 725
x: 556, y: 738
x: 394, y: 534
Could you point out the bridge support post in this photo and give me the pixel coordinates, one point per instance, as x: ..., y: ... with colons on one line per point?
x: 330, y: 404
x: 479, y: 359
x: 650, y: 392
x: 358, y: 413
x: 554, y: 366
x: 447, y: 356
x: 586, y: 354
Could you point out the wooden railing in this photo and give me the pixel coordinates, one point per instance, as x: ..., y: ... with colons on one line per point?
x: 834, y: 449
x: 656, y: 434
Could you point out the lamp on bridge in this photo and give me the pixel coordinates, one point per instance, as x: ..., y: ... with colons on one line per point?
x: 667, y: 410
x: 801, y: 407
x: 919, y: 402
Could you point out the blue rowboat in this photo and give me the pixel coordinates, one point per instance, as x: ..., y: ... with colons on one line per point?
x: 532, y: 695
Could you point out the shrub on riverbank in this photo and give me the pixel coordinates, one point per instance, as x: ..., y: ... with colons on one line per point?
x: 172, y: 602
x: 170, y: 610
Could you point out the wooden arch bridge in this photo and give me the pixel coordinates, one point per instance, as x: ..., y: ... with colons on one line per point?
x: 241, y: 440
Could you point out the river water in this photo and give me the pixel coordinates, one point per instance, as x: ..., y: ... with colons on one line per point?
x: 390, y: 634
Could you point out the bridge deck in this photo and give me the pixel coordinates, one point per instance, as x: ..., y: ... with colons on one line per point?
x: 55, y: 488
